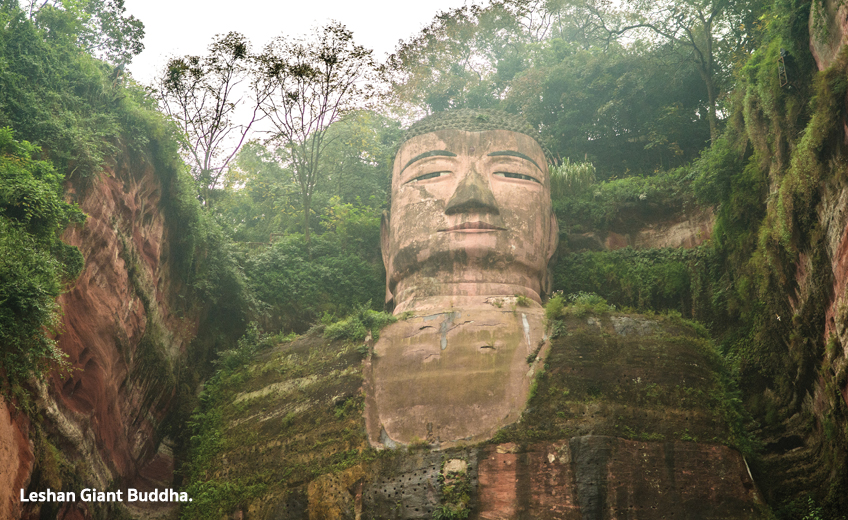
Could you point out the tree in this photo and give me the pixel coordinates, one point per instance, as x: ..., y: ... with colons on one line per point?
x: 204, y: 95
x: 705, y: 27
x: 628, y: 106
x: 624, y: 109
x: 259, y: 198
x: 101, y: 27
x: 307, y: 86
x: 469, y: 56
x: 542, y: 20
x: 464, y: 58
x: 358, y: 160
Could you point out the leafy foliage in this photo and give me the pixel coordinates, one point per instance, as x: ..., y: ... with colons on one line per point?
x: 203, y: 95
x: 100, y: 27
x: 648, y: 280
x: 297, y: 283
x: 33, y: 261
x: 623, y: 109
x: 706, y: 29
x: 215, y: 496
x: 623, y: 202
x: 465, y: 58
x: 359, y: 324
x: 54, y: 96
x: 262, y: 198
x: 571, y: 178
x: 84, y: 115
x: 306, y: 87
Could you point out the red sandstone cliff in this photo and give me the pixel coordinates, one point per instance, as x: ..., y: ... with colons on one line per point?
x: 685, y: 229
x: 802, y: 422
x: 123, y: 341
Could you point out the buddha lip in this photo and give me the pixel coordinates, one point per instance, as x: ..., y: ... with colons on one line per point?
x: 473, y: 226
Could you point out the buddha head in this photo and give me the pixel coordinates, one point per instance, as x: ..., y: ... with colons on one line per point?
x: 470, y: 210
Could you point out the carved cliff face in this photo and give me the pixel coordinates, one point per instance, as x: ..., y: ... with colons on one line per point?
x: 470, y: 216
x: 470, y: 227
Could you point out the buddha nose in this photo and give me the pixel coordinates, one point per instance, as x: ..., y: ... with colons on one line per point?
x: 472, y: 196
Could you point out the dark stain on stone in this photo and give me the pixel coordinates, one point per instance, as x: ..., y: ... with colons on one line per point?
x: 410, y: 489
x: 446, y: 326
x: 590, y: 455
x: 294, y: 507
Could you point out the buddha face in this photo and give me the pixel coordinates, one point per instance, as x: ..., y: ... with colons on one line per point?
x: 471, y: 214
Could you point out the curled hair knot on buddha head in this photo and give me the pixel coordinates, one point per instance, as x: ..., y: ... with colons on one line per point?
x: 473, y: 120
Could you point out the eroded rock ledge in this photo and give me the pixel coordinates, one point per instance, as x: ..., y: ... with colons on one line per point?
x: 629, y: 419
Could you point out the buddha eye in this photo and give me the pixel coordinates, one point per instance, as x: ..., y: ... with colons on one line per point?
x: 510, y: 175
x: 431, y: 175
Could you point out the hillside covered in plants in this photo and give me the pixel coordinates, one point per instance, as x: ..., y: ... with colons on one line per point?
x: 170, y: 251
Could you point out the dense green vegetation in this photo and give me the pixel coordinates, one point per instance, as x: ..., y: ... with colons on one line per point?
x: 67, y: 116
x: 646, y: 125
x: 34, y: 263
x: 274, y: 442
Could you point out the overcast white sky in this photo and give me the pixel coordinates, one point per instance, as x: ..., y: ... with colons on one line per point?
x: 179, y: 27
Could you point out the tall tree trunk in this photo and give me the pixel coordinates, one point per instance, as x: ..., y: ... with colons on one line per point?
x: 711, y: 110
x: 712, y: 99
x: 307, y: 201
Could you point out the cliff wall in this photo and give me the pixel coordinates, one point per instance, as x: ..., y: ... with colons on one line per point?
x: 125, y: 331
x: 631, y: 418
x: 685, y: 229
x: 793, y: 355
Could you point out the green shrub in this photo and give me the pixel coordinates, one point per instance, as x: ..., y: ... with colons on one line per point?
x: 297, y: 283
x: 713, y: 172
x: 522, y: 301
x: 554, y: 306
x: 570, y: 179
x: 34, y: 263
x: 619, y: 201
x: 357, y: 326
x: 350, y: 328
x: 644, y: 279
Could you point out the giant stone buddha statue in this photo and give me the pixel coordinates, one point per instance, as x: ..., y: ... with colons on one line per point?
x: 466, y: 244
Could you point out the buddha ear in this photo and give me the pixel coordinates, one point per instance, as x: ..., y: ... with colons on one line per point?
x: 553, y: 242
x: 384, y: 238
x: 384, y: 249
x: 553, y: 238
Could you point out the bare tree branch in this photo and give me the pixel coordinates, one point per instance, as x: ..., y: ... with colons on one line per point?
x: 204, y: 95
x: 307, y: 86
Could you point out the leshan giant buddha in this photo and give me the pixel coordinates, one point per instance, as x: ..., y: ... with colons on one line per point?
x: 466, y: 244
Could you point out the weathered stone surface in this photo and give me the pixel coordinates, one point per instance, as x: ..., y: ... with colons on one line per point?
x: 828, y: 26
x: 686, y: 230
x: 802, y: 424
x: 411, y: 492
x: 121, y: 339
x: 599, y: 478
x: 662, y: 384
x: 470, y: 216
x: 452, y: 377
x: 691, y: 230
x: 16, y: 458
x: 621, y: 426
x: 107, y: 324
x: 625, y: 325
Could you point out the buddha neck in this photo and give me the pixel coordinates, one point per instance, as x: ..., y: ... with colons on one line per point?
x: 441, y: 296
